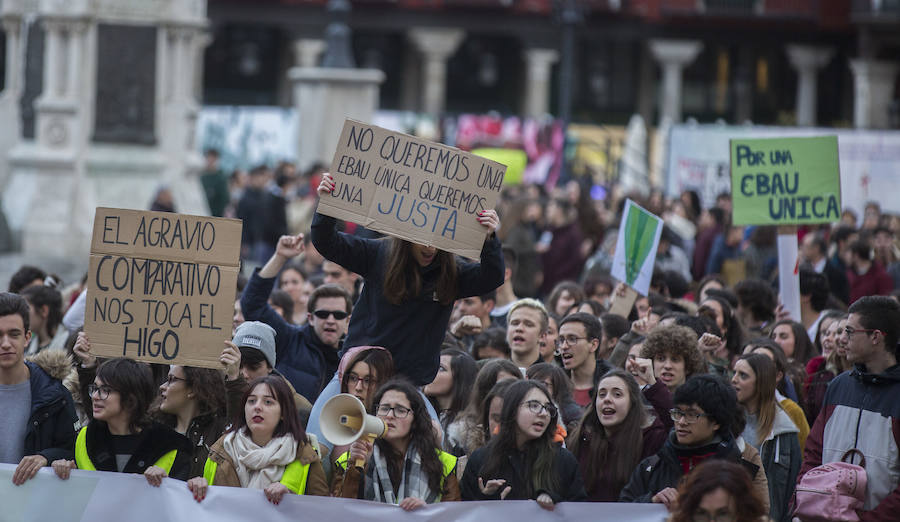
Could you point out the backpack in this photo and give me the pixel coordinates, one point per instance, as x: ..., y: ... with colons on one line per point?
x: 832, y: 491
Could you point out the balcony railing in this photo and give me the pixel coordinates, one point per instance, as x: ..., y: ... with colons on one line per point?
x: 875, y: 10
x: 795, y: 9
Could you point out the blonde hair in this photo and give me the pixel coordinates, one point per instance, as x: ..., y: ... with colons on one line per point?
x: 534, y: 304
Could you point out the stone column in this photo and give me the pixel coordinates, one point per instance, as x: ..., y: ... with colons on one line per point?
x: 436, y: 46
x: 12, y: 28
x: 58, y: 106
x: 308, y: 52
x: 324, y: 98
x: 807, y: 59
x: 673, y: 56
x: 539, y: 66
x: 873, y: 86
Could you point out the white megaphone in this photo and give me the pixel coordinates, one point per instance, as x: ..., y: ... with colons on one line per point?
x: 344, y: 420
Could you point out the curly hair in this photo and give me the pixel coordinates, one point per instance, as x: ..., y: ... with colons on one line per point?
x: 714, y: 474
x: 675, y: 340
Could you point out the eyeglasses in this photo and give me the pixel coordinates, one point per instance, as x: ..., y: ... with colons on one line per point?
x: 102, y: 392
x: 323, y: 314
x: 171, y: 379
x: 400, y: 412
x: 352, y: 379
x: 537, y: 407
x: 849, y: 330
x: 570, y: 340
x: 688, y: 416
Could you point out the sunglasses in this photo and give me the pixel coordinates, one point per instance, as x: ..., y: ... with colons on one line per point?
x: 323, y: 314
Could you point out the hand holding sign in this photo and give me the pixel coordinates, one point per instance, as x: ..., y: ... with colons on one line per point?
x: 413, y: 189
x: 490, y: 220
x: 326, y: 186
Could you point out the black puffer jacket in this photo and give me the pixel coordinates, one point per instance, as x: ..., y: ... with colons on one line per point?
x: 51, y: 425
x: 155, y: 441
x: 664, y: 470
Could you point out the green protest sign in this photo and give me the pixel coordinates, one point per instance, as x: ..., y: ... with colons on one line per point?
x: 639, y: 233
x: 785, y: 181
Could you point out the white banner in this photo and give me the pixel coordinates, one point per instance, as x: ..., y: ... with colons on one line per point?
x: 699, y: 160
x: 96, y: 496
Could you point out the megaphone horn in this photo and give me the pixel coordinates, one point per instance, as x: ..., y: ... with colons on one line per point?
x: 344, y: 420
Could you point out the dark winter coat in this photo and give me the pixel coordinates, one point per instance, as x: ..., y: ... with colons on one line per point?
x: 664, y: 469
x: 51, y: 424
x: 413, y: 330
x: 155, y: 441
x: 517, y: 473
x: 304, y: 360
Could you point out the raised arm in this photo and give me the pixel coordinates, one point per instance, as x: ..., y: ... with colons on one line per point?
x: 351, y: 252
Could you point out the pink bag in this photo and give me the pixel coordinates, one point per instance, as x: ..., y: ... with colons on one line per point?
x: 832, y: 491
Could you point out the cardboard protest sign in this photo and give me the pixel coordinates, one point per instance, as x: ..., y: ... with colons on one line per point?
x: 161, y: 286
x: 785, y: 181
x: 639, y: 234
x: 411, y: 188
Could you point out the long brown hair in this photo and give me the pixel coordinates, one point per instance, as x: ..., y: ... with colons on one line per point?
x: 540, y: 453
x: 290, y: 419
x: 762, y: 402
x: 617, y: 454
x: 403, y: 280
x: 714, y: 474
x: 422, y: 436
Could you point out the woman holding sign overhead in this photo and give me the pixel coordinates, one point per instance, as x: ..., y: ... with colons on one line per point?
x: 409, y: 288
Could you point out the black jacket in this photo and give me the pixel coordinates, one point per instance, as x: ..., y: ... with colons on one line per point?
x: 413, y: 330
x: 304, y: 360
x: 51, y: 425
x: 664, y: 469
x: 155, y: 441
x: 517, y: 473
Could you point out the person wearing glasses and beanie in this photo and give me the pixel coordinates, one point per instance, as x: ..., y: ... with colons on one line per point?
x: 522, y: 461
x: 121, y: 436
x: 704, y: 415
x: 406, y: 466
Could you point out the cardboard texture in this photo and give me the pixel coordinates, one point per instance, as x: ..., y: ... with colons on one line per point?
x: 161, y: 286
x: 636, y: 244
x: 785, y: 181
x: 622, y: 305
x: 414, y: 189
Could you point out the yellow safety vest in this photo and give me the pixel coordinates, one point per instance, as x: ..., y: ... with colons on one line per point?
x: 83, y: 460
x: 447, y: 460
x: 294, y: 477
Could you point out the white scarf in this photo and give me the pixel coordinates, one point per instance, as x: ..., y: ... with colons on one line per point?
x: 256, y: 466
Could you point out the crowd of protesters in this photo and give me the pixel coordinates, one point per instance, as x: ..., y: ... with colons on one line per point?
x: 505, y: 378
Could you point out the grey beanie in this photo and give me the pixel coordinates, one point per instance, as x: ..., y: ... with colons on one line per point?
x: 257, y: 335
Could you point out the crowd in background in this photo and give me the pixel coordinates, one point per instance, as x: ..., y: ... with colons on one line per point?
x: 507, y: 378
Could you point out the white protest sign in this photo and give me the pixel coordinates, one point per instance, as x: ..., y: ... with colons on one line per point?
x: 414, y: 189
x: 635, y: 256
x: 93, y: 496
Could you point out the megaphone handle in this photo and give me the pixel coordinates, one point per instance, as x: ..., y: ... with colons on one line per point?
x: 361, y: 463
